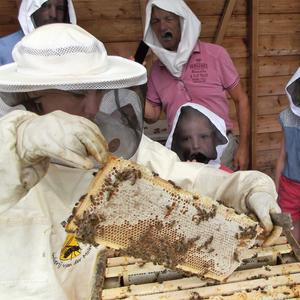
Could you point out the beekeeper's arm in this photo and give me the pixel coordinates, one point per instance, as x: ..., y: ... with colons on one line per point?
x: 245, y: 191
x: 28, y: 141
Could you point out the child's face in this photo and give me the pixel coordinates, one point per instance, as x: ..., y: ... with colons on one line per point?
x: 195, y: 135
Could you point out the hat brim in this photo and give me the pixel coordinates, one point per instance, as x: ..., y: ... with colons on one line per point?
x: 122, y: 73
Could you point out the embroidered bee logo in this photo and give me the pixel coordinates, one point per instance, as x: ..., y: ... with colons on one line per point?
x: 70, y: 249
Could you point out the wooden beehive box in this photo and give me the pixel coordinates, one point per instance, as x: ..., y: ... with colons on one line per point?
x: 268, y: 273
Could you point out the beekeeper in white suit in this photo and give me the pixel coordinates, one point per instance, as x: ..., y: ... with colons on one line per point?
x: 48, y: 155
x: 32, y: 14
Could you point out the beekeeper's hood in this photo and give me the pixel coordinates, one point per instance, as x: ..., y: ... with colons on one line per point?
x: 216, y: 125
x: 28, y: 7
x: 293, y: 92
x: 190, y: 31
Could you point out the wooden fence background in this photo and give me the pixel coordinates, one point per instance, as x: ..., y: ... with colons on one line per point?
x: 262, y: 37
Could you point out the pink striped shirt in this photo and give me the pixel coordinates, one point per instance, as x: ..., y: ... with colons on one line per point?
x: 204, y: 79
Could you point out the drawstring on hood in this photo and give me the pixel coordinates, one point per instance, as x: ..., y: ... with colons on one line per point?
x: 190, y: 31
x: 220, y: 127
x: 293, y: 92
x: 28, y: 7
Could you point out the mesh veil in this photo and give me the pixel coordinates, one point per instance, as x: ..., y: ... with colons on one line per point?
x: 120, y: 119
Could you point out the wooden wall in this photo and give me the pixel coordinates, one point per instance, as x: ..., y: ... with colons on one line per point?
x: 119, y: 24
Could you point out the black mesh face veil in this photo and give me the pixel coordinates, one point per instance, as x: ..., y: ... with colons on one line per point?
x: 120, y: 119
x: 294, y: 91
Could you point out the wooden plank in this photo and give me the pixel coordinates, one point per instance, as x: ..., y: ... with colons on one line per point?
x: 281, y: 292
x: 128, y: 265
x: 268, y: 141
x: 129, y: 29
x: 8, y: 17
x: 265, y: 277
x: 121, y: 48
x: 253, y: 59
x: 267, y: 105
x: 224, y: 21
x: 242, y: 66
x: 142, y: 4
x: 267, y: 159
x: 109, y: 10
x: 279, y: 6
x: 125, y: 270
x: 125, y: 30
x: 277, y: 45
x: 99, y: 275
x: 227, y: 289
x: 236, y: 47
x: 237, y: 26
x: 195, y: 282
x: 267, y: 123
x: 279, y: 65
x: 210, y: 8
x: 272, y: 85
x: 8, y: 28
x: 274, y: 24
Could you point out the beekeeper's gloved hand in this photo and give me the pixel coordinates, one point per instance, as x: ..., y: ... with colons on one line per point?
x: 262, y: 205
x: 67, y: 138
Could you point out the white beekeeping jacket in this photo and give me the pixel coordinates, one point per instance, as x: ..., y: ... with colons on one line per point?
x: 38, y: 259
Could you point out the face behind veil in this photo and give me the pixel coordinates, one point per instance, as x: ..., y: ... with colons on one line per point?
x: 120, y: 119
x: 197, y: 134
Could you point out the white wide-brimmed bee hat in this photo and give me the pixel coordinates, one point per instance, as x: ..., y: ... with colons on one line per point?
x: 66, y: 57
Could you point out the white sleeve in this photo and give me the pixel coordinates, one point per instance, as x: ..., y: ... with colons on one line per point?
x: 16, y: 178
x: 230, y: 189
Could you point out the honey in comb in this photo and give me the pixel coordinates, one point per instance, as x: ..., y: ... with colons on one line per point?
x: 132, y: 209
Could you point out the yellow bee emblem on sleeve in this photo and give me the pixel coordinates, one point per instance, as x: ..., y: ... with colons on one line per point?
x: 70, y: 249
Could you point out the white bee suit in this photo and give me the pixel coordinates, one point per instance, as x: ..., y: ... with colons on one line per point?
x: 31, y: 235
x: 33, y: 263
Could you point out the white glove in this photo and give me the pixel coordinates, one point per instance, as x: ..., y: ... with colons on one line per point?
x: 262, y: 205
x: 68, y: 138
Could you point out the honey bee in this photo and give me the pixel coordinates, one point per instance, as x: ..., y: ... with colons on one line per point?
x: 71, y: 250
